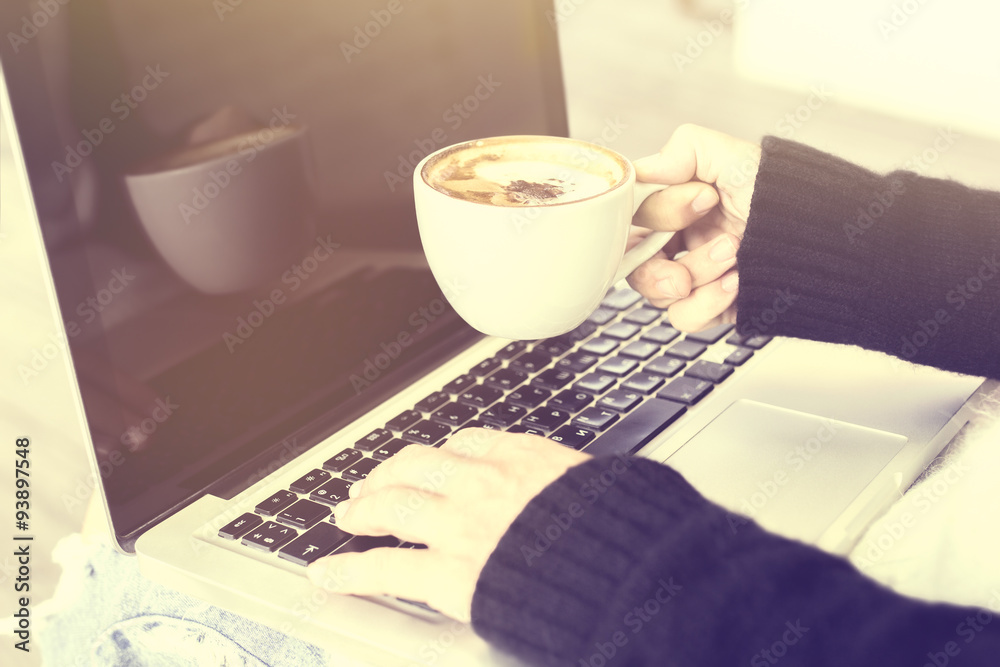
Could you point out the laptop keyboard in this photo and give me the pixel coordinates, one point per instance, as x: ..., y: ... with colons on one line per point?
x: 608, y: 387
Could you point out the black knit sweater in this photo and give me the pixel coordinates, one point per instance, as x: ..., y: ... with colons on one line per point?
x: 622, y: 562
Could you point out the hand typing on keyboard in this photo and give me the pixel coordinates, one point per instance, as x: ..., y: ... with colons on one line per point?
x: 712, y: 178
x: 458, y: 500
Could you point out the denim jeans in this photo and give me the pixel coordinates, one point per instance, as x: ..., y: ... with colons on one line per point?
x: 105, y: 613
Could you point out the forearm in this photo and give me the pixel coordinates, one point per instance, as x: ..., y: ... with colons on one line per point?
x: 899, y: 263
x: 632, y: 561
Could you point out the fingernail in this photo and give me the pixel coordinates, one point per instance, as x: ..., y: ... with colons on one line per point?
x: 723, y: 250
x: 646, y: 163
x: 355, y: 489
x: 731, y: 282
x: 703, y: 202
x: 668, y: 288
x: 341, y: 509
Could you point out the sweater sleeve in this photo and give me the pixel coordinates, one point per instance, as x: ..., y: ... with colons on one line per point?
x: 901, y: 264
x: 621, y: 561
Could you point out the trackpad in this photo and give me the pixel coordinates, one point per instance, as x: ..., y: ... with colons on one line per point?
x: 793, y: 472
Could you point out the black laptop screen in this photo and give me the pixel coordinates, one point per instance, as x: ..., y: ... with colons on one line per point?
x: 182, y: 378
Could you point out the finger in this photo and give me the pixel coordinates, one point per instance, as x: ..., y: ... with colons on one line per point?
x: 691, y: 153
x: 708, y: 305
x: 416, y: 466
x: 676, y: 207
x: 711, y: 260
x: 473, y: 442
x: 661, y: 281
x: 410, y: 514
x: 413, y: 574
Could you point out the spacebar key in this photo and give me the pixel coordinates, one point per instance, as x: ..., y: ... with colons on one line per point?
x: 637, y: 428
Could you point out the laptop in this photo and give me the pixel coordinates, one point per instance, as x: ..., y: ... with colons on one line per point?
x: 222, y: 484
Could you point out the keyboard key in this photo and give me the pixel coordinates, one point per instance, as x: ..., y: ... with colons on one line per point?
x: 425, y: 433
x: 643, y: 382
x: 480, y: 396
x: 342, y: 460
x: 433, y: 402
x: 602, y: 316
x: 619, y: 366
x: 303, y: 514
x: 637, y: 428
x: 686, y: 349
x: 458, y: 385
x: 739, y: 356
x: 711, y: 335
x: 595, y: 383
x: 621, y: 299
x: 276, y: 503
x: 512, y: 350
x: 332, y: 492
x: 665, y: 366
x: 620, y: 400
x: 708, y: 370
x: 475, y: 423
x: 239, y: 526
x: 530, y: 430
x: 555, y: 346
x: 596, y: 419
x: 377, y: 437
x: 506, y: 379
x: 529, y: 396
x: 600, y: 346
x: 571, y: 401
x: 573, y: 436
x: 643, y: 316
x: 687, y: 390
x: 621, y: 330
x: 585, y: 330
x: 640, y: 349
x: 661, y: 334
x: 753, y: 342
x: 269, y: 537
x: 317, y: 542
x: 362, y: 543
x: 360, y: 470
x: 503, y: 414
x: 576, y: 362
x: 484, y: 368
x: 553, y: 378
x: 454, y: 414
x: 546, y: 418
x: 309, y: 481
x: 532, y: 362
x: 389, y: 449
x: 404, y: 420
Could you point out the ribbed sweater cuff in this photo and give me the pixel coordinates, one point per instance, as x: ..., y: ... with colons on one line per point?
x: 834, y: 252
x: 579, y: 551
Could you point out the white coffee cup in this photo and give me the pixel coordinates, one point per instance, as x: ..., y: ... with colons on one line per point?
x: 526, y: 234
x: 231, y: 214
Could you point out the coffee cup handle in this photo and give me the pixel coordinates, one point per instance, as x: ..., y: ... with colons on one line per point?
x: 650, y: 245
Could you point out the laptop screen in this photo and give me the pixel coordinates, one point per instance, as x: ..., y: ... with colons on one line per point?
x: 210, y: 336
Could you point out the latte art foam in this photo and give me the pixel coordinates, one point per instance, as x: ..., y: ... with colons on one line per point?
x: 524, y: 171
